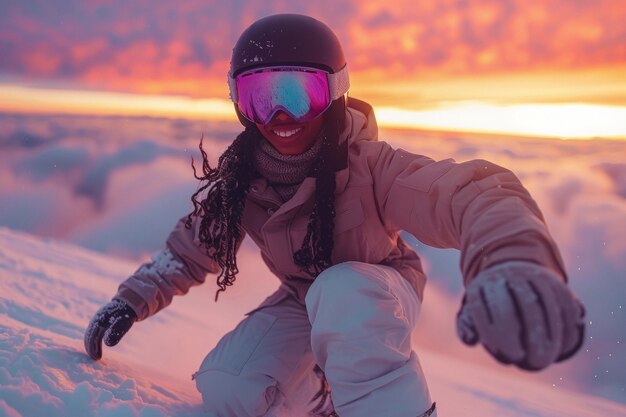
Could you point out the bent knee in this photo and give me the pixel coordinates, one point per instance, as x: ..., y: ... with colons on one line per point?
x: 227, y: 395
x: 349, y: 268
x: 343, y: 281
x: 352, y: 298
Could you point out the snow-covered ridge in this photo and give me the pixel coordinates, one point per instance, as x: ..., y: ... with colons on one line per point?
x: 49, y: 291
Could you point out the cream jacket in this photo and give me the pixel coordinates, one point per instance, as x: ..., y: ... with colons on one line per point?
x: 475, y: 206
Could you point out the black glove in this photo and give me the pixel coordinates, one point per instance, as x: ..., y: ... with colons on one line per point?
x: 112, y: 322
x: 523, y: 314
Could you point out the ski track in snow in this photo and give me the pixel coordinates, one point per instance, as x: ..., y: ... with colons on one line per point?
x: 51, y: 289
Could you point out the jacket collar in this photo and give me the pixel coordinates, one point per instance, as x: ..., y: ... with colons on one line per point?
x: 358, y: 127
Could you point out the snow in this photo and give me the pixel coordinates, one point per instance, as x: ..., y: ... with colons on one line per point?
x: 50, y: 290
x: 163, y: 263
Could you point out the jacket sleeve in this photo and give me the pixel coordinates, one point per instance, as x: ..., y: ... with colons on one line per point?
x: 475, y: 206
x: 182, y: 264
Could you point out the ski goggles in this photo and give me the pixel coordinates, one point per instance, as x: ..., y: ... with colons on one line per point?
x: 302, y: 92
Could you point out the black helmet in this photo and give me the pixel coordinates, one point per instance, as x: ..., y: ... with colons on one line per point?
x: 287, y: 39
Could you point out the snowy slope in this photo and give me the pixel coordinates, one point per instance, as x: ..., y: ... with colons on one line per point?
x: 118, y: 184
x: 49, y: 290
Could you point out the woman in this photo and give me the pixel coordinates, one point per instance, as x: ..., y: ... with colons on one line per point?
x: 325, y: 202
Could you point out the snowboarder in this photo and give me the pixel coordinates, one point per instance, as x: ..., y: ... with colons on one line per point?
x: 325, y: 202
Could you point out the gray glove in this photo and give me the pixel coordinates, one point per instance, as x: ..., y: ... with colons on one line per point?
x: 523, y: 314
x: 112, y: 322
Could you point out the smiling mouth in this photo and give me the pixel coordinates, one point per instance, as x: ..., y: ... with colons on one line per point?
x: 286, y: 133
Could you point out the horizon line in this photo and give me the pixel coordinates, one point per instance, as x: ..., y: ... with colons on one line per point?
x: 568, y: 120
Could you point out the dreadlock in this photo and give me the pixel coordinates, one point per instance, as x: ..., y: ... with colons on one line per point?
x: 222, y: 208
x: 315, y: 254
x: 226, y: 187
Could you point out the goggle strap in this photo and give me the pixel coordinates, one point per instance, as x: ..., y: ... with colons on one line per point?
x: 232, y: 88
x: 338, y: 83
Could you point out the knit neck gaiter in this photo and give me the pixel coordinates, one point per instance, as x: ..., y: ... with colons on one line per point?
x: 284, y: 173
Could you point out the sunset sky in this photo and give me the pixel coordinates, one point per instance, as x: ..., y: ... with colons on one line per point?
x: 537, y: 67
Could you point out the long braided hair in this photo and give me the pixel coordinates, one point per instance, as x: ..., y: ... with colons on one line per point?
x: 226, y: 187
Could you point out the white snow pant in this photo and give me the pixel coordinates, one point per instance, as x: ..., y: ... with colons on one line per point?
x: 356, y: 325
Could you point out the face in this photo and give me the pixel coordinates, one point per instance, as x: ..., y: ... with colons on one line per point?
x: 290, y: 137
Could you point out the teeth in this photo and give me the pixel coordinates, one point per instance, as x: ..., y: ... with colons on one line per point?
x: 286, y: 133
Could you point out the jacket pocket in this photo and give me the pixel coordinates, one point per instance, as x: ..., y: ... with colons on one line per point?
x: 236, y: 348
x: 349, y: 216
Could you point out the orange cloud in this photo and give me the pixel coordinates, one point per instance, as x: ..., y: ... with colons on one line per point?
x: 42, y: 61
x: 489, y: 36
x: 167, y: 48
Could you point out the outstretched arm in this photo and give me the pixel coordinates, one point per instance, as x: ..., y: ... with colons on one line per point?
x: 475, y: 206
x: 517, y: 304
x: 173, y: 271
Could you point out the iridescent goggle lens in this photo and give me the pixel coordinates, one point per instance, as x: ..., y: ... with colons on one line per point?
x: 303, y: 93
